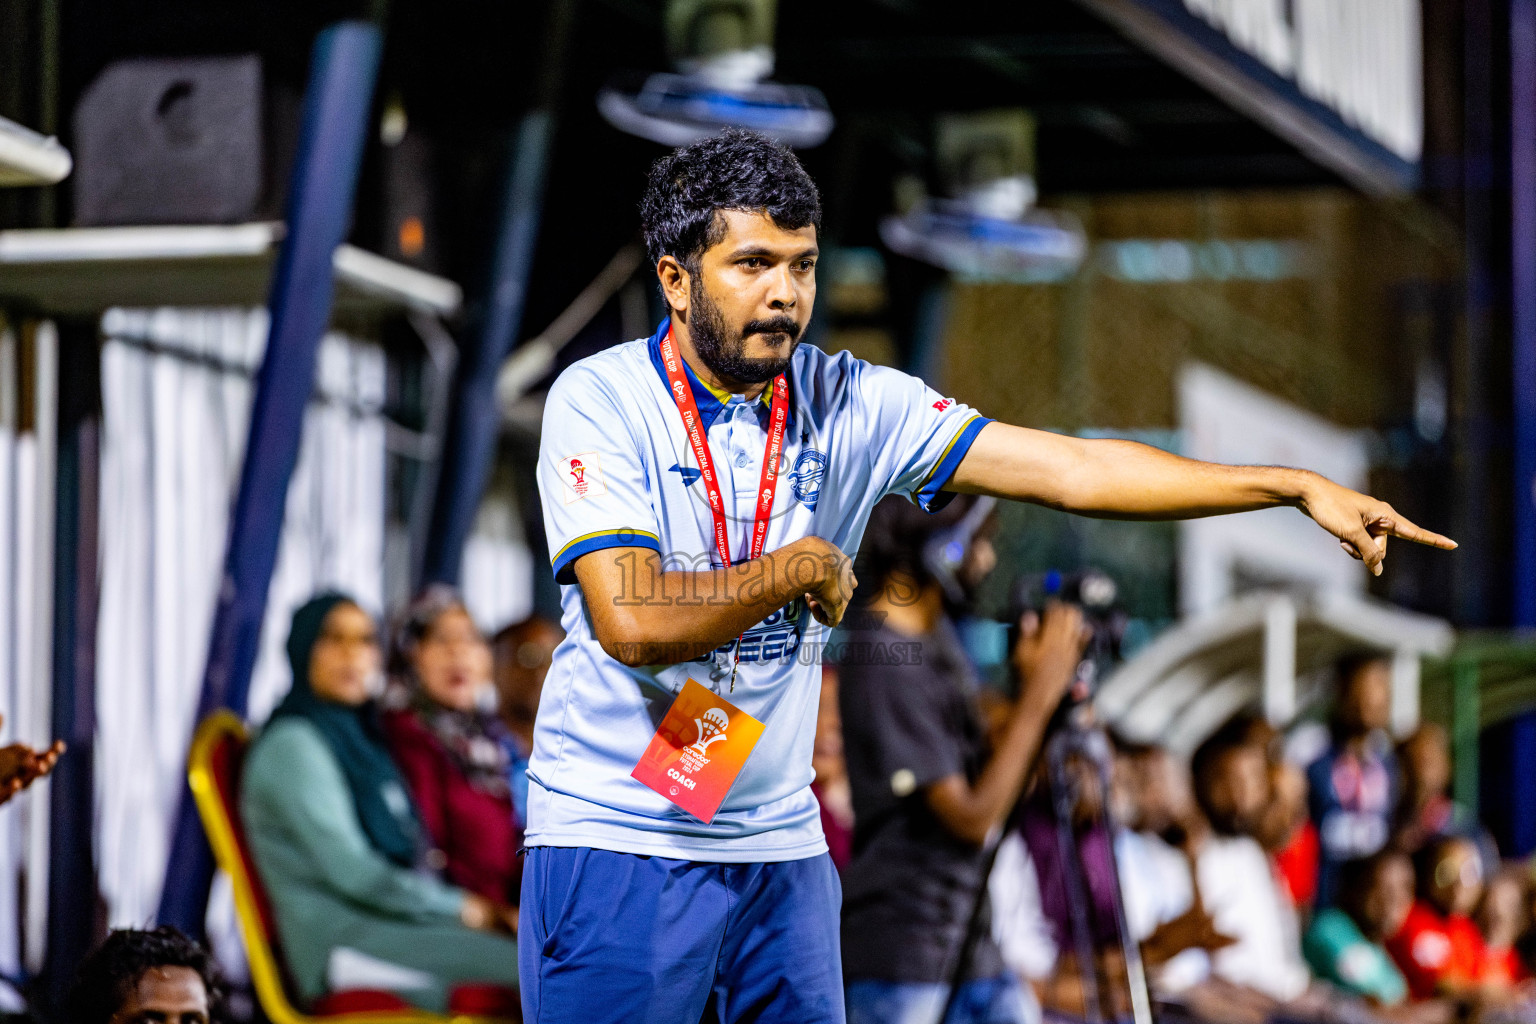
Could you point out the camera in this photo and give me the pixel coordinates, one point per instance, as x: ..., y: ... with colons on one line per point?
x: 1095, y: 593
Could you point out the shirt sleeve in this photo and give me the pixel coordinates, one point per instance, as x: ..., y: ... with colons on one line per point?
x: 593, y: 480
x: 1325, y: 943
x: 917, y: 437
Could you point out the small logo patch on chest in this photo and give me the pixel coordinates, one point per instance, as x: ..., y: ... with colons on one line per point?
x: 805, y: 480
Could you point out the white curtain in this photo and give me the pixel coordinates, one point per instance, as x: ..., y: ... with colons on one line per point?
x: 26, y: 570
x: 176, y: 393
x: 10, y: 643
x: 497, y: 570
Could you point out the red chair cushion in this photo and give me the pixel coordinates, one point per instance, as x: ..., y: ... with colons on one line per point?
x: 475, y: 1000
x: 357, y: 1000
x: 486, y: 1001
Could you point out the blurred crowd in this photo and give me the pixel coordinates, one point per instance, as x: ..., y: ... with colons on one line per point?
x: 1350, y: 887
x: 982, y: 881
x: 1249, y: 881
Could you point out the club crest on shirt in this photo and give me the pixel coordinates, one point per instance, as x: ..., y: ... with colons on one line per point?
x: 805, y: 480
x: 582, y: 476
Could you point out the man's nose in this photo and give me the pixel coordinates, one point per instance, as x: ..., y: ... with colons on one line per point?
x: 781, y: 289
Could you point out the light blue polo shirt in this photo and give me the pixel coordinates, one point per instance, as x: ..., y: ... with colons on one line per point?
x: 616, y: 470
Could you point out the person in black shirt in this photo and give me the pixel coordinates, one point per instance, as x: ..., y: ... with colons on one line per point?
x: 927, y: 793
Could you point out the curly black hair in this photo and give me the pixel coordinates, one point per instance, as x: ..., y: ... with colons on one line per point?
x: 735, y: 169
x: 109, y: 974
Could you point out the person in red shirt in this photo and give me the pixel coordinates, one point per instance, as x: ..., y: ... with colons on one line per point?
x: 834, y: 793
x: 1503, y: 918
x: 1288, y: 835
x: 453, y: 751
x: 1439, y: 948
x: 1284, y: 827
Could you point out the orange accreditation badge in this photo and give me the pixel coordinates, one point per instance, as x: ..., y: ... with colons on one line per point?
x: 698, y: 750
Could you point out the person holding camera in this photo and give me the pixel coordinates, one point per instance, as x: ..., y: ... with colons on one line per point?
x: 927, y: 791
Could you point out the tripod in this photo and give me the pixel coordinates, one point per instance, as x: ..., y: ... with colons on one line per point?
x: 1075, y: 738
x: 1087, y: 744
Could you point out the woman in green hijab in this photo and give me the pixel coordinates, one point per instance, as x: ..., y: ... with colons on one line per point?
x: 337, y: 843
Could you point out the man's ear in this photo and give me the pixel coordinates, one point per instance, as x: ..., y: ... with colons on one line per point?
x: 674, y: 284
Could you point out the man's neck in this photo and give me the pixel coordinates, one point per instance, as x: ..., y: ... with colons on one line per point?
x: 701, y: 370
x: 906, y: 615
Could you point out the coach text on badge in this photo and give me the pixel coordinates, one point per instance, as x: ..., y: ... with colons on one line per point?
x: 698, y: 750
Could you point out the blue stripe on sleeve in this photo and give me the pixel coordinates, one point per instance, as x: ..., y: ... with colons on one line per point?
x: 931, y: 496
x: 589, y: 542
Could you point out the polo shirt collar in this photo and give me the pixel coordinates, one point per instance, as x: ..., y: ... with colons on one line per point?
x: 711, y: 403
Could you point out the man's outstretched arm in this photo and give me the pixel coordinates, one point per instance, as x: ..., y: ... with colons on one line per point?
x: 1114, y: 479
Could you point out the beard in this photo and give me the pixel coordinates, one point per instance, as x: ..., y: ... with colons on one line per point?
x: 724, y: 351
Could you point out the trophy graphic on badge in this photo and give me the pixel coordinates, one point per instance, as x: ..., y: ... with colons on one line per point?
x: 711, y: 729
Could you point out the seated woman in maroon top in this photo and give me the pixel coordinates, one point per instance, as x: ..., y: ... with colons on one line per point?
x: 454, y: 753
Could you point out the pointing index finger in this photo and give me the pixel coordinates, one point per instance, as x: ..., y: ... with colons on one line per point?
x: 1400, y: 527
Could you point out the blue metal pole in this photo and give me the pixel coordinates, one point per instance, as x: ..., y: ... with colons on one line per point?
x: 1522, y: 264
x: 71, y: 867
x: 470, y: 446
x: 343, y: 69
x: 1522, y: 813
x: 1473, y: 565
x: 1522, y: 75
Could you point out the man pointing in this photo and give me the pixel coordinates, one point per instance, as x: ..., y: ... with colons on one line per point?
x: 702, y: 490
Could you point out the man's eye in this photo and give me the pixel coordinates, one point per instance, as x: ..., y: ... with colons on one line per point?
x: 754, y: 262
x: 807, y: 265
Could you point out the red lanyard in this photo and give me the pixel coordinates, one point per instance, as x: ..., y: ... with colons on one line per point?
x: 778, y: 416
